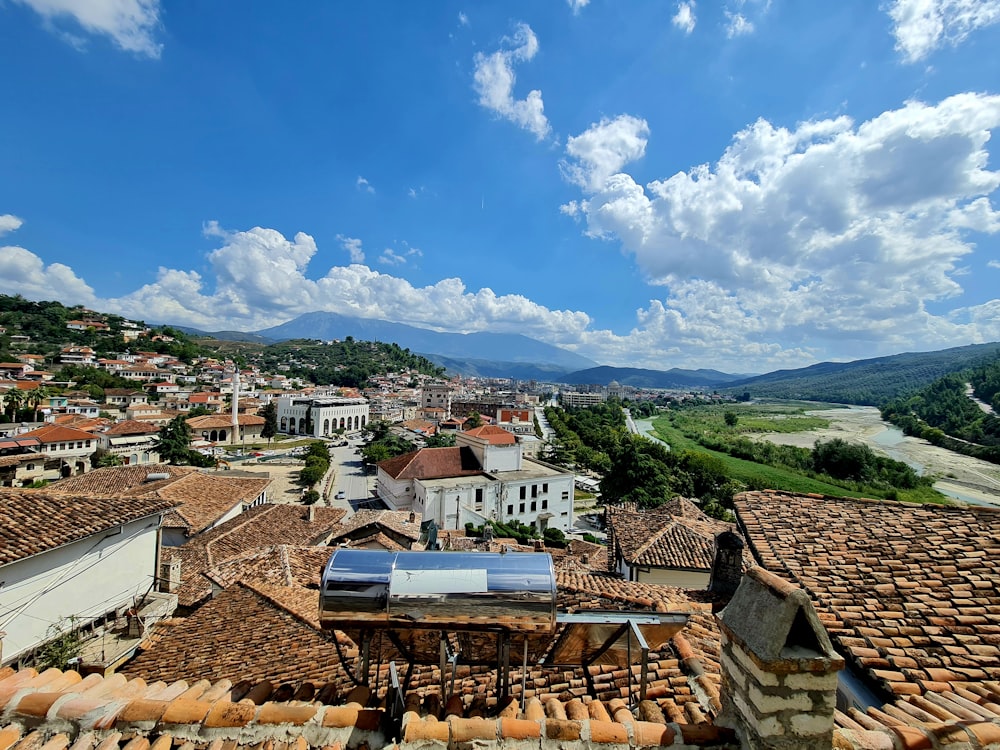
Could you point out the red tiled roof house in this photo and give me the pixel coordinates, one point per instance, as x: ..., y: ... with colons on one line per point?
x: 73, y: 558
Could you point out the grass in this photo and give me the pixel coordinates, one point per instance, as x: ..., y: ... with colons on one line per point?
x: 779, y: 478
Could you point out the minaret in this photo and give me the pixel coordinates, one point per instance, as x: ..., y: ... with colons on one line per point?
x: 236, y: 405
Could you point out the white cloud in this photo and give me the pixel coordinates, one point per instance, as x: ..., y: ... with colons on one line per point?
x: 603, y: 149
x: 131, y: 24
x: 463, y: 20
x: 684, y: 19
x: 829, y: 232
x: 390, y: 257
x: 577, y: 5
x: 22, y: 272
x: 353, y: 247
x: 9, y: 223
x: 738, y: 25
x: 922, y: 26
x: 993, y: 263
x: 494, y: 82
x: 362, y: 184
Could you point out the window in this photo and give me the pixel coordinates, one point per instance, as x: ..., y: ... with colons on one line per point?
x: 510, y: 510
x: 524, y: 492
x: 534, y: 490
x: 521, y: 510
x: 545, y: 487
x: 565, y: 496
x: 534, y: 505
x: 545, y: 504
x: 479, y: 499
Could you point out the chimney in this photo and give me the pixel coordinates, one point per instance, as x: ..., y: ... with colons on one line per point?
x: 170, y: 575
x: 311, y: 513
x: 727, y: 567
x: 413, y: 517
x: 779, y: 669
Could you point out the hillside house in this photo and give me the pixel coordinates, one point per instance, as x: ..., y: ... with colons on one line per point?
x: 67, y: 450
x: 673, y: 545
x: 132, y: 440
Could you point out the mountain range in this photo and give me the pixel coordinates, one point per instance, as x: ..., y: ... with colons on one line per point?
x: 501, y: 355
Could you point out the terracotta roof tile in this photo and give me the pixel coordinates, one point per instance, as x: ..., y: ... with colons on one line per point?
x: 910, y: 593
x: 675, y: 535
x: 433, y: 463
x: 35, y: 521
x: 495, y: 435
x: 254, y: 533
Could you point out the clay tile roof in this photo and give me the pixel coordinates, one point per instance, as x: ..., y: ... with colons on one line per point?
x: 202, y: 499
x: 674, y: 535
x: 364, y: 523
x: 495, y: 435
x: 253, y: 533
x: 222, y: 421
x: 116, y: 480
x: 36, y: 521
x: 910, y: 594
x: 53, y: 433
x: 432, y: 463
x: 131, y: 427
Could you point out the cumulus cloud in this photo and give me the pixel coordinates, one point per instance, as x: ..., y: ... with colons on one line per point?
x: 993, y: 263
x: 9, y: 223
x: 922, y: 26
x: 363, y: 185
x: 830, y: 231
x: 684, y: 19
x: 603, y: 150
x: 494, y: 80
x: 353, y: 247
x: 22, y: 272
x: 130, y: 24
x: 577, y: 5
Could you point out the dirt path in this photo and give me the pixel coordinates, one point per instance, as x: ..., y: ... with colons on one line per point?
x: 958, y: 476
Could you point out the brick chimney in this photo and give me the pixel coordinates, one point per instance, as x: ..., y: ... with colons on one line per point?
x: 170, y: 575
x: 727, y: 567
x: 779, y: 669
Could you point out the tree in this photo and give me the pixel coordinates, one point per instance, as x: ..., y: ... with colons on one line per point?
x: 174, y: 441
x: 475, y: 420
x: 731, y: 418
x: 104, y: 458
x: 270, y: 414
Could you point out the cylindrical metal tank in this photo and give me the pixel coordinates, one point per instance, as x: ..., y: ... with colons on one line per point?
x: 451, y: 590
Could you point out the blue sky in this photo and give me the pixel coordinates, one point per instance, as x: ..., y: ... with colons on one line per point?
x: 745, y: 185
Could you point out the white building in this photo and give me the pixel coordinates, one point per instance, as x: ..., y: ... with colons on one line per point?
x: 484, y: 477
x: 436, y: 396
x: 70, y: 559
x: 321, y: 416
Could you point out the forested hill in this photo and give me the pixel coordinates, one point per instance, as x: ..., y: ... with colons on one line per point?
x: 870, y: 382
x: 346, y: 363
x: 958, y: 411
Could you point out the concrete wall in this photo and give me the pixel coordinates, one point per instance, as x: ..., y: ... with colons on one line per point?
x: 85, y: 579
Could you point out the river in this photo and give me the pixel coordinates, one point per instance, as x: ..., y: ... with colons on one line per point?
x: 963, y: 478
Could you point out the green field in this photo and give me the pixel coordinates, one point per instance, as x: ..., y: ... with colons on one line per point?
x: 757, y: 419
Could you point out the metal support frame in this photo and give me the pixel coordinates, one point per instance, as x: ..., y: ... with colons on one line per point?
x: 644, y: 648
x: 366, y: 642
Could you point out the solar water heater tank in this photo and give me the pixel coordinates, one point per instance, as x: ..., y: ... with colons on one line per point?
x: 513, y: 591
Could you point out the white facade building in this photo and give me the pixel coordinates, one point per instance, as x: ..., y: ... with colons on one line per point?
x: 321, y: 416
x: 60, y: 571
x: 484, y: 477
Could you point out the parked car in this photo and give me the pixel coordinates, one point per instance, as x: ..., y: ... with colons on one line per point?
x: 340, y: 495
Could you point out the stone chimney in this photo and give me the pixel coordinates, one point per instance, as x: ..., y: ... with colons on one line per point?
x: 779, y: 669
x: 312, y: 514
x: 170, y: 575
x: 727, y: 567
x: 413, y: 517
